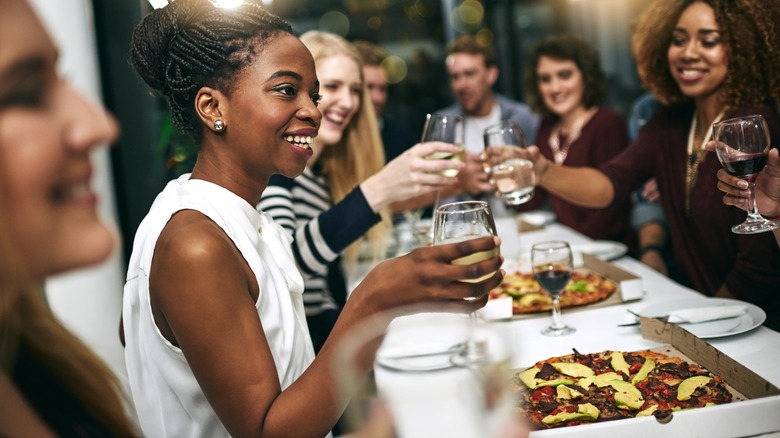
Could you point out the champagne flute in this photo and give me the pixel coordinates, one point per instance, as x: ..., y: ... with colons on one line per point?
x: 742, y: 145
x: 552, y: 266
x: 456, y: 222
x: 514, y: 176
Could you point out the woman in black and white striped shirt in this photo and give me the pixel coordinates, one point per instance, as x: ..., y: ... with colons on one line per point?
x: 342, y: 197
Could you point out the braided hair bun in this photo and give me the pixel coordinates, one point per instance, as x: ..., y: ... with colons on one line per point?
x: 190, y: 44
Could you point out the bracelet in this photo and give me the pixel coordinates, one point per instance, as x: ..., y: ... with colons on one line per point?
x: 647, y: 248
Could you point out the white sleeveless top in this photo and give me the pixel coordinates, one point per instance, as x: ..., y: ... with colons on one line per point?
x: 168, y: 399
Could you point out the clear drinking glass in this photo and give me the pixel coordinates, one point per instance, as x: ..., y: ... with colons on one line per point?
x: 456, y: 222
x: 742, y: 145
x: 552, y: 267
x: 513, y: 175
x: 447, y: 129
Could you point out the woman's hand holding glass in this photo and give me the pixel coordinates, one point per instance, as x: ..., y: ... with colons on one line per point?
x: 459, y: 222
x: 767, y: 186
x: 742, y: 145
x: 412, y: 174
x: 447, y: 129
x: 512, y: 174
x: 386, y: 286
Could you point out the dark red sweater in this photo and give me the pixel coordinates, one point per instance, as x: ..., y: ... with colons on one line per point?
x: 708, y: 253
x: 601, y: 139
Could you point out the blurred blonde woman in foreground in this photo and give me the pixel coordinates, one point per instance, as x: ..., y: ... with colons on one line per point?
x: 51, y: 384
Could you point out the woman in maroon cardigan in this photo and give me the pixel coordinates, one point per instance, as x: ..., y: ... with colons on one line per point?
x: 565, y: 83
x: 704, y: 60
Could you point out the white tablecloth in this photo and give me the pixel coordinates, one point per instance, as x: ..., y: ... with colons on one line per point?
x: 758, y: 349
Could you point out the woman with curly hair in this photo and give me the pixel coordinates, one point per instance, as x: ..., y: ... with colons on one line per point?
x: 216, y: 337
x: 343, y: 198
x: 705, y: 60
x: 565, y: 83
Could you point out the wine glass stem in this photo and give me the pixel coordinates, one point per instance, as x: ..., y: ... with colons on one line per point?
x: 753, y: 214
x: 471, y: 343
x: 557, y: 323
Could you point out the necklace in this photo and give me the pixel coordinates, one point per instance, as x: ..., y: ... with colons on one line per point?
x: 695, y: 157
x: 560, y: 151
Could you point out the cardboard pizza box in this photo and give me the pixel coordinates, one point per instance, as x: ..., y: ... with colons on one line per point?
x: 629, y: 288
x: 755, y: 409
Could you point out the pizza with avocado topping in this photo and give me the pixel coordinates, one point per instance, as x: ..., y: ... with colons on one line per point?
x: 528, y: 296
x: 610, y: 385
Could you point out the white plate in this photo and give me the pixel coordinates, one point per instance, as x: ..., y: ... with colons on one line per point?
x: 422, y: 342
x: 538, y: 217
x: 602, y: 249
x: 754, y: 317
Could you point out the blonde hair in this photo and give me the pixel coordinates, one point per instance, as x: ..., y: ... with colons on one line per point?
x: 360, y: 152
x: 27, y: 322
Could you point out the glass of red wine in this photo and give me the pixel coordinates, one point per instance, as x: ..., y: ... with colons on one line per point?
x: 552, y: 266
x: 742, y: 145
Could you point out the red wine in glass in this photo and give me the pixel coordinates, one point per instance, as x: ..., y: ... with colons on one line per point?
x: 746, y: 166
x: 552, y: 264
x: 742, y: 145
x: 553, y: 281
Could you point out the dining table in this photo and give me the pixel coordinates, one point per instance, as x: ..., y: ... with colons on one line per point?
x: 600, y: 328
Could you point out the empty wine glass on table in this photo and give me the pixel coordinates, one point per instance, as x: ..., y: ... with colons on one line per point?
x: 742, y: 145
x: 552, y: 266
x: 514, y: 176
x: 456, y: 222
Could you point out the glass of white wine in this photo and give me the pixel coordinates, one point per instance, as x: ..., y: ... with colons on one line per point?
x: 513, y: 175
x: 448, y: 129
x: 456, y: 222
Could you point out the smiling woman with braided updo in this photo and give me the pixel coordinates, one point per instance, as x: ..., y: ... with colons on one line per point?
x: 217, y: 343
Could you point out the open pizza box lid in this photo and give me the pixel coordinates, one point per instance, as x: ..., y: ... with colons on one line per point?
x: 755, y: 408
x: 630, y: 288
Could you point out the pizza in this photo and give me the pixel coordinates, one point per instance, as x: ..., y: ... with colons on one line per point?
x: 585, y: 287
x: 610, y: 385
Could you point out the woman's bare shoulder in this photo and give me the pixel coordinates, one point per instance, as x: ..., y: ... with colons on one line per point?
x: 192, y: 246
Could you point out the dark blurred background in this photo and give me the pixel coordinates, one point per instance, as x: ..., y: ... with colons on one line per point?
x: 415, y: 32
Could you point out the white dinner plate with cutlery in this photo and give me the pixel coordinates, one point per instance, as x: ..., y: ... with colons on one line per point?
x: 718, y: 309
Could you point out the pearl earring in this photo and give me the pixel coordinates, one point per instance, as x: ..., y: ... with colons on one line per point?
x: 219, y: 125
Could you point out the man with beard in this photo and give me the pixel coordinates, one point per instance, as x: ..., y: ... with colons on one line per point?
x: 472, y: 70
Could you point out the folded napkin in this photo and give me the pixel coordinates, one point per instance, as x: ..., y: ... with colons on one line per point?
x: 703, y: 314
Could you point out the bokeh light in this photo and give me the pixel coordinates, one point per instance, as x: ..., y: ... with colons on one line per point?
x: 485, y: 37
x: 395, y: 69
x: 336, y: 22
x: 471, y: 12
x: 467, y: 16
x: 374, y: 22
